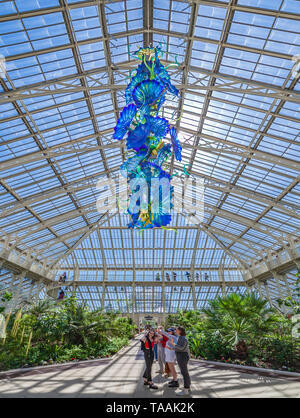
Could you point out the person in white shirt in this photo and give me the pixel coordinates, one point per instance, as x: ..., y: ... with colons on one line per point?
x: 170, y: 355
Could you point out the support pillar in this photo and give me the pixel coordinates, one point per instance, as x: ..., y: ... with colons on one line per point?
x: 163, y: 295
x: 194, y: 294
x: 75, y: 279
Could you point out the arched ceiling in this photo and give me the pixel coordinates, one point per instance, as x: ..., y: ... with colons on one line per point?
x: 67, y: 65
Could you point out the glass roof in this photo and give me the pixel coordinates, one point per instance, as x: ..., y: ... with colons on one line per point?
x: 67, y: 64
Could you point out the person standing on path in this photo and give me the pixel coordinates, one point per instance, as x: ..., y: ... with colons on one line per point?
x: 147, y: 346
x: 161, y: 351
x: 170, y: 355
x: 182, y: 352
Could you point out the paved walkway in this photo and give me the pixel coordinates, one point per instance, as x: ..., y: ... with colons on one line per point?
x: 121, y: 377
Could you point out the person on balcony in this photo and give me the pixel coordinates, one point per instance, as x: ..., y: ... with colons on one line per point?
x: 63, y: 277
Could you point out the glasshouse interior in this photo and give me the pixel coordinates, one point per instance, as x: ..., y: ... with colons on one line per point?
x: 149, y: 176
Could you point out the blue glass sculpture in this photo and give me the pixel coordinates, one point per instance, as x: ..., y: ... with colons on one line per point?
x: 145, y: 131
x: 124, y: 121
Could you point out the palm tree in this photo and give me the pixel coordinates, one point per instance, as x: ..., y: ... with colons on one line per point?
x: 240, y: 319
x: 42, y: 306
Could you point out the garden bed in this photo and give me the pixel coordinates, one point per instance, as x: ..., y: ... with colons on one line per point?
x: 68, y: 361
x: 24, y: 371
x: 242, y: 330
x: 49, y: 334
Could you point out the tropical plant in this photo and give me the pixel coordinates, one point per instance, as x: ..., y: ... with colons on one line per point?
x: 42, y: 307
x: 240, y: 318
x: 4, y: 298
x: 48, y: 332
x: 185, y: 319
x: 242, y: 329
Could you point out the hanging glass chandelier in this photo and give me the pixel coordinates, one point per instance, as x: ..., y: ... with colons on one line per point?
x: 144, y: 128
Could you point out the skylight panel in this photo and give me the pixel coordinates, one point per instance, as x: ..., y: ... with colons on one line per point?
x: 288, y: 129
x: 161, y: 14
x: 57, y: 64
x: 203, y: 55
x: 277, y: 147
x: 7, y: 110
x: 256, y: 185
x: 24, y: 6
x: 243, y: 61
x: 285, y: 35
x: 7, y: 7
x: 264, y: 4
x: 290, y: 6
x: 290, y: 109
x: 45, y: 31
x: 292, y: 198
x: 249, y: 29
x: 210, y: 22
x: 22, y: 73
x: 179, y: 17
x: 119, y: 50
x: 92, y: 55
x: 116, y: 18
x: 86, y: 24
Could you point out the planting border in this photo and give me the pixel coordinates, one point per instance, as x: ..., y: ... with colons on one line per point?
x: 27, y: 371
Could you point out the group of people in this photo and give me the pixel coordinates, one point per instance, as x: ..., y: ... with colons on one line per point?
x: 187, y: 274
x: 62, y: 279
x: 171, y: 346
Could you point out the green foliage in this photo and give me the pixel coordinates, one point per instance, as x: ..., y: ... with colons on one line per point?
x: 4, y: 298
x: 185, y: 319
x: 242, y: 329
x: 209, y: 346
x: 63, y: 331
x: 42, y: 307
x: 281, y: 352
x: 239, y: 317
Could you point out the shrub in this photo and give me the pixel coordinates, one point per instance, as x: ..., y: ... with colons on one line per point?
x: 209, y: 346
x: 241, y: 329
x: 281, y: 352
x: 54, y: 333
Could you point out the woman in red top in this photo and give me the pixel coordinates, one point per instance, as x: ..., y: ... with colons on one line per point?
x: 151, y: 344
x: 148, y: 342
x: 162, y: 339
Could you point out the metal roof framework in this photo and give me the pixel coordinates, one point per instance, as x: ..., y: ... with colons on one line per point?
x: 66, y: 67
